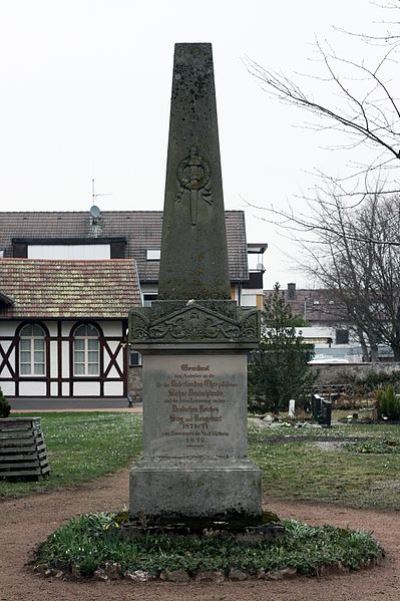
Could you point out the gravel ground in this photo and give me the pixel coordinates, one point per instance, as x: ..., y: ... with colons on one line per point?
x: 26, y: 522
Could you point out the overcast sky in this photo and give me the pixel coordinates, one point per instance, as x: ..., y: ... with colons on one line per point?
x: 85, y: 91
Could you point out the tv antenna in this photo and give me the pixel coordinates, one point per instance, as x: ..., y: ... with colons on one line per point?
x: 97, y: 194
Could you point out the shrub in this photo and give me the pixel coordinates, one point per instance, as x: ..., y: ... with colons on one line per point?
x: 388, y: 403
x: 4, y: 405
x: 278, y: 368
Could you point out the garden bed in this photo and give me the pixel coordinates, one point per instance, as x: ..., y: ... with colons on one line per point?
x: 91, y: 546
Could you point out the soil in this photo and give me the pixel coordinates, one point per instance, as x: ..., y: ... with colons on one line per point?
x: 28, y: 521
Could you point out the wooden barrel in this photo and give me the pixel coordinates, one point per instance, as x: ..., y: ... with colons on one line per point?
x: 23, y: 451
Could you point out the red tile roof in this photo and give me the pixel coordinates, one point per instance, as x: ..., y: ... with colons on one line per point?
x: 43, y: 288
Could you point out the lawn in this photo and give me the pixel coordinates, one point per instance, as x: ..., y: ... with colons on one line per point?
x: 82, y: 446
x: 353, y: 465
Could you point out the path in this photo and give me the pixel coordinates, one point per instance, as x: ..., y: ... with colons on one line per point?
x: 25, y: 522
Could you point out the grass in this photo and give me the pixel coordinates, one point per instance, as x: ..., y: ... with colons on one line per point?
x: 364, y: 471
x: 81, y: 446
x: 90, y: 541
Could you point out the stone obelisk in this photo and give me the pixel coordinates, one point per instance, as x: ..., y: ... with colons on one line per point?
x: 194, y: 260
x: 194, y: 339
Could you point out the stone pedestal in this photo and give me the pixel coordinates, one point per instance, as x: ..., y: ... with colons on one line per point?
x: 195, y: 436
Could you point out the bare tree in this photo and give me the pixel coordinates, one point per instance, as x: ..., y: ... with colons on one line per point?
x: 350, y: 229
x: 356, y: 255
x: 360, y: 100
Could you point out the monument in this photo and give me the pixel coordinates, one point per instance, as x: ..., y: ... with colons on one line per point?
x: 194, y: 339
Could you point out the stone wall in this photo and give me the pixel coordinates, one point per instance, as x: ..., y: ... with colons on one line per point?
x: 343, y: 373
x: 135, y: 384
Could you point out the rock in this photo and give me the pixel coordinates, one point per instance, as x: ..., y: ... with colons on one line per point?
x: 112, y: 570
x: 59, y: 574
x: 41, y: 568
x: 138, y: 576
x: 75, y: 571
x: 175, y: 576
x: 281, y: 574
x: 100, y: 574
x: 238, y: 575
x: 210, y: 576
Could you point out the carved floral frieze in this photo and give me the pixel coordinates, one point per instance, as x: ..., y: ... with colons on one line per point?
x: 194, y: 323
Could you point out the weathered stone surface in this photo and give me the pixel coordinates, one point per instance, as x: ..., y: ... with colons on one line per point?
x: 180, y: 487
x: 139, y: 576
x: 76, y: 572
x: 194, y: 322
x: 40, y: 568
x: 175, y: 576
x: 288, y: 572
x: 100, y: 574
x: 112, y: 570
x: 216, y: 576
x: 194, y: 260
x: 238, y: 575
x: 195, y: 406
x: 194, y: 340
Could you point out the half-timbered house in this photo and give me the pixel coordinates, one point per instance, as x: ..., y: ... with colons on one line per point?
x: 63, y: 326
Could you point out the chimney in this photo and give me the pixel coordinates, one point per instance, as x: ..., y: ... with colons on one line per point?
x: 291, y: 291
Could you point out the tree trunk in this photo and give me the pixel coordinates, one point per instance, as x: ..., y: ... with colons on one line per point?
x: 396, y: 351
x: 374, y: 353
x: 364, y: 347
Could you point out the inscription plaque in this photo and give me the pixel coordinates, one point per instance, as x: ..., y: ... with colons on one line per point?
x: 195, y: 406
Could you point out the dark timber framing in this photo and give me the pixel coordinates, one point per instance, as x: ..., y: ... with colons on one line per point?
x: 109, y: 358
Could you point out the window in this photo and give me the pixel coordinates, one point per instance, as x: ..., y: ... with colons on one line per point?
x: 148, y: 298
x: 86, y: 351
x: 135, y: 359
x: 153, y: 254
x: 69, y: 251
x: 32, y: 351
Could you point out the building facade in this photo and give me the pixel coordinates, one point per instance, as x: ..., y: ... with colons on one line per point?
x: 63, y: 327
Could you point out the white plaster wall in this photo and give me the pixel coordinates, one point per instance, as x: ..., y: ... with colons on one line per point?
x: 66, y: 327
x: 5, y: 372
x: 7, y: 328
x: 8, y: 388
x: 113, y: 373
x: 86, y: 388
x: 111, y: 328
x: 32, y: 388
x: 65, y: 389
x: 54, y: 388
x: 65, y: 359
x: 52, y: 327
x: 53, y: 359
x: 113, y: 388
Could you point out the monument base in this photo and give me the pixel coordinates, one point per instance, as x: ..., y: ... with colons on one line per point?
x: 177, y: 487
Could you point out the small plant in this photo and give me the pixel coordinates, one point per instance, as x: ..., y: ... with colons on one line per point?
x: 4, y: 405
x: 376, y: 447
x: 388, y: 403
x: 91, y: 541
